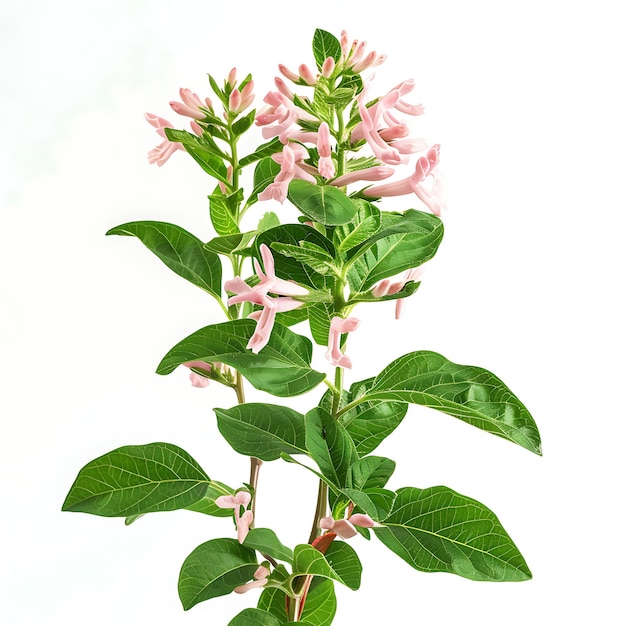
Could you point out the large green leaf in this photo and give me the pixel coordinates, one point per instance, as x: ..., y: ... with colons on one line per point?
x: 322, y: 203
x: 439, y: 530
x: 369, y: 422
x: 265, y: 541
x: 371, y: 471
x: 181, y: 251
x: 134, y: 480
x: 255, y: 617
x: 330, y: 446
x: 214, y: 569
x: 281, y: 368
x: 262, y: 430
x: 287, y: 267
x: 404, y: 241
x: 364, y: 225
x: 320, y: 315
x: 472, y: 394
x: 325, y: 45
x: 340, y: 563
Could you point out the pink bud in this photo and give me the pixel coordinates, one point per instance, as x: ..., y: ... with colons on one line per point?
x: 328, y: 67
x: 232, y: 77
x: 234, y: 100
x: 307, y: 75
x: 287, y: 73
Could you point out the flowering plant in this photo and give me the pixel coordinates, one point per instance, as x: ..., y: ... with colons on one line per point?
x: 329, y: 143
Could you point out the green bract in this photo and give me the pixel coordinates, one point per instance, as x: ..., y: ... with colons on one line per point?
x: 341, y: 253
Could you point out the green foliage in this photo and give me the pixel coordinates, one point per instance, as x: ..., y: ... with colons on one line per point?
x: 181, y: 251
x: 134, y: 480
x: 265, y: 541
x: 439, y: 530
x: 282, y: 368
x: 325, y: 204
x: 325, y: 45
x: 340, y: 563
x: 214, y: 569
x: 262, y: 430
x: 203, y: 154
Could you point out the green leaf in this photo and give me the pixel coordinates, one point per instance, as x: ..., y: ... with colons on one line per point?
x: 369, y: 422
x: 364, y: 225
x: 439, y: 530
x: 207, y: 504
x: 243, y: 124
x: 403, y: 242
x: 340, y: 563
x: 320, y: 315
x: 281, y: 368
x: 214, y: 569
x: 265, y: 541
x: 325, y: 45
x: 264, y: 174
x: 133, y: 480
x: 371, y: 471
x: 223, y: 209
x: 309, y: 254
x: 263, y: 151
x: 322, y: 203
x: 472, y: 394
x: 255, y: 617
x: 209, y: 162
x: 181, y: 251
x: 319, y: 608
x: 289, y: 268
x: 269, y: 220
x: 330, y: 446
x: 262, y: 430
x: 231, y: 244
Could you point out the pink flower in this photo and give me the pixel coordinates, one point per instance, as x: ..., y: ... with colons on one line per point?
x: 260, y: 579
x: 268, y: 282
x: 353, y: 55
x: 339, y: 326
x: 164, y: 150
x: 345, y: 528
x: 328, y: 67
x: 191, y: 105
x: 289, y: 160
x: 198, y: 380
x: 388, y: 287
x: 307, y: 75
x: 239, y: 101
x: 425, y: 167
x: 325, y: 166
x: 379, y: 172
x: 241, y: 498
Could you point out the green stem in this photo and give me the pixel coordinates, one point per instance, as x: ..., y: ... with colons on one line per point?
x: 321, y: 510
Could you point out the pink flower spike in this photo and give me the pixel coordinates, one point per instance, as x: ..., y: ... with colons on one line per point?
x: 339, y: 326
x: 243, y: 525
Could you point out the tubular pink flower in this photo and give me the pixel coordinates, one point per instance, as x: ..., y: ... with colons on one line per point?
x: 234, y: 100
x: 191, y: 105
x: 287, y: 73
x: 290, y: 168
x: 198, y: 380
x: 328, y: 67
x: 268, y: 282
x: 247, y: 97
x: 379, y: 172
x: 260, y: 579
x: 390, y: 287
x: 345, y: 528
x: 307, y: 75
x: 339, y: 326
x: 165, y: 149
x: 196, y: 128
x: 282, y: 87
x: 243, y: 525
x: 325, y: 166
x: 232, y: 77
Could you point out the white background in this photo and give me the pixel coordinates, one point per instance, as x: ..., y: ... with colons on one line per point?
x: 526, y: 99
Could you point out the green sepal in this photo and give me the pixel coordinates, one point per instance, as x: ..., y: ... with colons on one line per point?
x: 135, y: 480
x: 262, y: 430
x: 281, y: 368
x: 440, y: 530
x: 181, y: 251
x: 214, y: 569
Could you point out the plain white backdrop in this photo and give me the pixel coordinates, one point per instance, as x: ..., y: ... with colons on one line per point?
x: 527, y: 101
